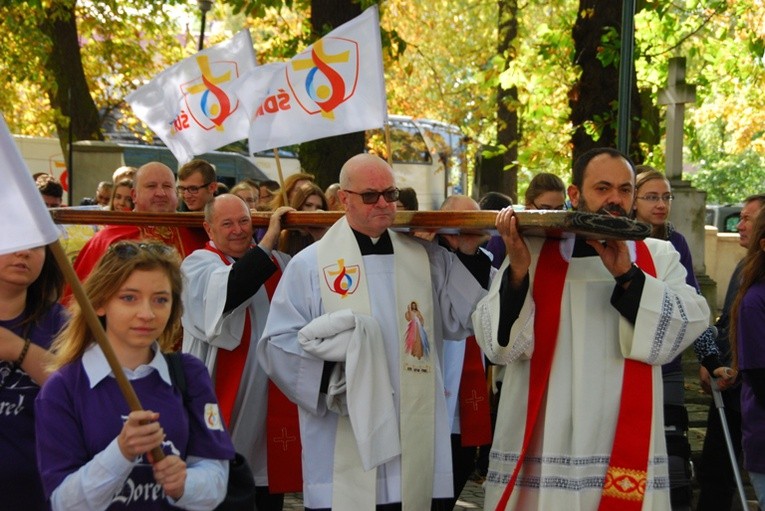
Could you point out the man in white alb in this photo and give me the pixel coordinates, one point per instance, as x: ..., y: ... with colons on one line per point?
x: 226, y: 297
x: 584, y: 327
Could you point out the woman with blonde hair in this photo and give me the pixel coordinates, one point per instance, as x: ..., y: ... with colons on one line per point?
x: 121, y: 199
x: 291, y: 185
x: 93, y: 451
x: 247, y: 193
x: 652, y: 205
x: 309, y: 197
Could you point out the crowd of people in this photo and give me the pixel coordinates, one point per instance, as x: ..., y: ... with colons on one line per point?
x: 368, y: 368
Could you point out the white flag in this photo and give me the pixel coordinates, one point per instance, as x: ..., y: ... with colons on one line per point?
x: 26, y: 220
x: 190, y: 107
x: 335, y: 86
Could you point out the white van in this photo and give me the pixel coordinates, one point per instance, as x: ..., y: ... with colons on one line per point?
x: 428, y: 156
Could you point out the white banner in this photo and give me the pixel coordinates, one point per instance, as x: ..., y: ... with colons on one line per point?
x: 190, y: 105
x: 26, y: 221
x: 335, y: 86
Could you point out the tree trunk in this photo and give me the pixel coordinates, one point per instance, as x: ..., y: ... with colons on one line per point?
x: 324, y: 157
x: 594, y: 97
x: 507, y: 101
x: 69, y: 94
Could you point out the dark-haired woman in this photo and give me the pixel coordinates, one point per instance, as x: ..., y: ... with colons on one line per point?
x: 30, y: 317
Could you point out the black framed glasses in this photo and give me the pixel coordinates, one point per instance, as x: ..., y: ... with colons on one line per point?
x: 372, y: 197
x: 547, y: 207
x: 129, y: 249
x: 655, y: 198
x: 193, y: 190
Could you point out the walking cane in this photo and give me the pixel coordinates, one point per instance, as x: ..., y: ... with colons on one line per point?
x: 731, y: 453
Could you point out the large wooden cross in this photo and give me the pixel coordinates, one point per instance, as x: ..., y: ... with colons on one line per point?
x: 675, y: 96
x: 533, y: 223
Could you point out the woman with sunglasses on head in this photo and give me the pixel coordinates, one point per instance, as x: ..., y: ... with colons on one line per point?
x: 93, y: 452
x: 30, y: 317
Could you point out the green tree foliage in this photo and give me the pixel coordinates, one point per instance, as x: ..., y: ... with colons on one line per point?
x: 64, y: 60
x: 731, y: 177
x: 724, y: 45
x: 441, y: 61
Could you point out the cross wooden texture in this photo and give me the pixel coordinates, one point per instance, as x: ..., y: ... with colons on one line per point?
x: 534, y: 223
x: 675, y: 96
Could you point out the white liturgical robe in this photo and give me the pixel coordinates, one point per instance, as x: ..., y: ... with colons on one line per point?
x: 206, y: 329
x: 572, y: 440
x: 298, y: 301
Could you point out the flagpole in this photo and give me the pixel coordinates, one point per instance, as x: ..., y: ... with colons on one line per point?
x: 98, y: 332
x: 281, y: 177
x: 388, y: 144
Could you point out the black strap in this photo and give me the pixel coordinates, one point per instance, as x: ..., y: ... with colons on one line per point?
x: 177, y: 374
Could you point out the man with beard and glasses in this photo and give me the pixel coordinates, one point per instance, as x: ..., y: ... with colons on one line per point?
x: 584, y: 326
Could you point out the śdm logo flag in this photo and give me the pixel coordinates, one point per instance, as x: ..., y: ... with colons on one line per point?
x: 190, y: 105
x: 335, y: 86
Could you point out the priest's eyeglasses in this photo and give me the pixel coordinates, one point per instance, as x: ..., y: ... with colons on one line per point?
x: 655, y: 198
x: 390, y: 195
x: 129, y: 249
x: 193, y: 190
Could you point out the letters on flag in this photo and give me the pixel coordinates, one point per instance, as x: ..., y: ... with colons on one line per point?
x: 190, y: 105
x: 335, y: 86
x: 26, y: 221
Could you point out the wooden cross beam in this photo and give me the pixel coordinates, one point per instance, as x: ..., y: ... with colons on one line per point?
x: 533, y: 223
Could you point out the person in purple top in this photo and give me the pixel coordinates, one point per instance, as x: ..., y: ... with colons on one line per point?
x: 30, y: 317
x: 653, y: 203
x: 495, y: 245
x: 748, y: 348
x: 92, y: 451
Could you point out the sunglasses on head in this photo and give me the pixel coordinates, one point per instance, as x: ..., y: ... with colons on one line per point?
x: 128, y: 249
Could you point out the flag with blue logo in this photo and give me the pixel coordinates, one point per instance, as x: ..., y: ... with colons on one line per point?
x: 190, y: 105
x: 335, y: 86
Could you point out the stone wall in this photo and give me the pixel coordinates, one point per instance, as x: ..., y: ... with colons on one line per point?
x: 721, y: 254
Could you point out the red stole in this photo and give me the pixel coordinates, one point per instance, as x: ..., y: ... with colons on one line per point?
x: 625, y: 482
x: 282, y: 427
x: 626, y: 477
x: 475, y: 418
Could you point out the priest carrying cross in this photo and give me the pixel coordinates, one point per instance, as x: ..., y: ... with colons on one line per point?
x: 584, y: 327
x: 354, y: 337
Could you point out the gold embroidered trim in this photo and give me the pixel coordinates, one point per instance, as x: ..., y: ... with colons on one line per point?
x: 625, y: 483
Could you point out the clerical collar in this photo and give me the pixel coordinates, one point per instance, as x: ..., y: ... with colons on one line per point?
x: 368, y: 247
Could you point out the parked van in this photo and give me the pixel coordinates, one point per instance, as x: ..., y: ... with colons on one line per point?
x: 725, y: 217
x: 428, y: 156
